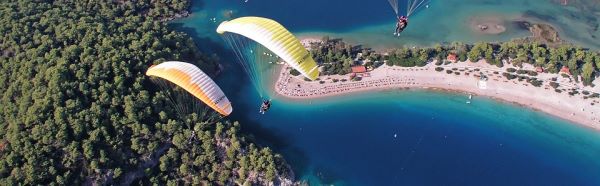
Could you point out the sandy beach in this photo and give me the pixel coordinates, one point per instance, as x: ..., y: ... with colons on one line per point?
x: 573, y: 108
x: 487, y: 25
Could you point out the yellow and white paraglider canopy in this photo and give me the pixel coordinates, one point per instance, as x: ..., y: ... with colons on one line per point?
x: 193, y: 80
x: 277, y: 39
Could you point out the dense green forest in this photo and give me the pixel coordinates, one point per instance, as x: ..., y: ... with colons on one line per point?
x: 76, y: 107
x: 337, y: 57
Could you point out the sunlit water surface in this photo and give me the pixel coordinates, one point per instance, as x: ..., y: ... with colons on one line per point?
x: 407, y: 137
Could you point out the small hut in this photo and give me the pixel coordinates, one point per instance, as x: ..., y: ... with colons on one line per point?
x: 359, y: 69
x: 565, y: 70
x: 452, y: 57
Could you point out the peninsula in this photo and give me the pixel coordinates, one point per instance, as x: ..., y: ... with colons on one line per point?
x: 558, y: 80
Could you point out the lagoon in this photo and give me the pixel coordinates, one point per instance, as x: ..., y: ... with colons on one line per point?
x: 412, y: 137
x: 372, y: 22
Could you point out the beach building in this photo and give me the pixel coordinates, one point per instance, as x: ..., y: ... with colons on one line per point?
x: 452, y: 57
x: 565, y: 70
x: 359, y: 69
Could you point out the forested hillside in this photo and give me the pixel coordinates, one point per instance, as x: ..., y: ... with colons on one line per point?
x: 76, y: 107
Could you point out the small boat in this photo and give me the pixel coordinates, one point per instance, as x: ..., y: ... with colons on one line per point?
x: 468, y: 102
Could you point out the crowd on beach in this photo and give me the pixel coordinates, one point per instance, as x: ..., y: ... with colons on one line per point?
x: 341, y: 88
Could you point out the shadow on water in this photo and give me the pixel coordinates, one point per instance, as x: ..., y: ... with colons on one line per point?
x: 278, y: 143
x: 197, y: 5
x: 294, y: 156
x: 230, y: 80
x: 326, y: 176
x: 205, y: 44
x: 534, y: 14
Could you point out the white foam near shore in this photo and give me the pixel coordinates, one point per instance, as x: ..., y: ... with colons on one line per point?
x: 574, y: 108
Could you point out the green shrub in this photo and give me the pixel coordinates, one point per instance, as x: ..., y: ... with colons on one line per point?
x: 532, y: 73
x: 535, y: 82
x: 509, y: 76
x: 294, y: 72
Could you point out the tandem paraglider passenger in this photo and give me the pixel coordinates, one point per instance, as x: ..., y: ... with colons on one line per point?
x: 401, y: 25
x: 266, y: 105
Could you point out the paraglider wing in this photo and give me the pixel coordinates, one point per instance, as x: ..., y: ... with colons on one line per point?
x: 194, y: 81
x: 277, y: 39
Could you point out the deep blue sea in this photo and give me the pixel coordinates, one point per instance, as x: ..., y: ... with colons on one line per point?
x: 403, y: 137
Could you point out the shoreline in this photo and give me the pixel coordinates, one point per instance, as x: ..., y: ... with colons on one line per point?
x: 544, y: 99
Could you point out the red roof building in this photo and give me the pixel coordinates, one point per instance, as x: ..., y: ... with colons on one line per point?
x: 452, y: 57
x: 565, y: 70
x: 359, y: 69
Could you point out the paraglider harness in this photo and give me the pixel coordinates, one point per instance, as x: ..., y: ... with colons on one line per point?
x: 266, y: 105
x: 401, y: 25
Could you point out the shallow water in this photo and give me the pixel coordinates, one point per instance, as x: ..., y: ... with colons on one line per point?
x: 372, y: 23
x: 405, y: 137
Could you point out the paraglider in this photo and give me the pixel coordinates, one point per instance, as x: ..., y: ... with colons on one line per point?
x: 401, y: 25
x: 257, y: 42
x: 195, y: 82
x: 402, y: 16
x: 266, y: 105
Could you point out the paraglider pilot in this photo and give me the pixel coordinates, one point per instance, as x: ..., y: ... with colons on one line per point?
x: 401, y: 25
x: 266, y: 105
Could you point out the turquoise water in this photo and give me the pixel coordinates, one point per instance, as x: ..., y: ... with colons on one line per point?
x: 404, y: 137
x: 371, y: 22
x: 439, y: 140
